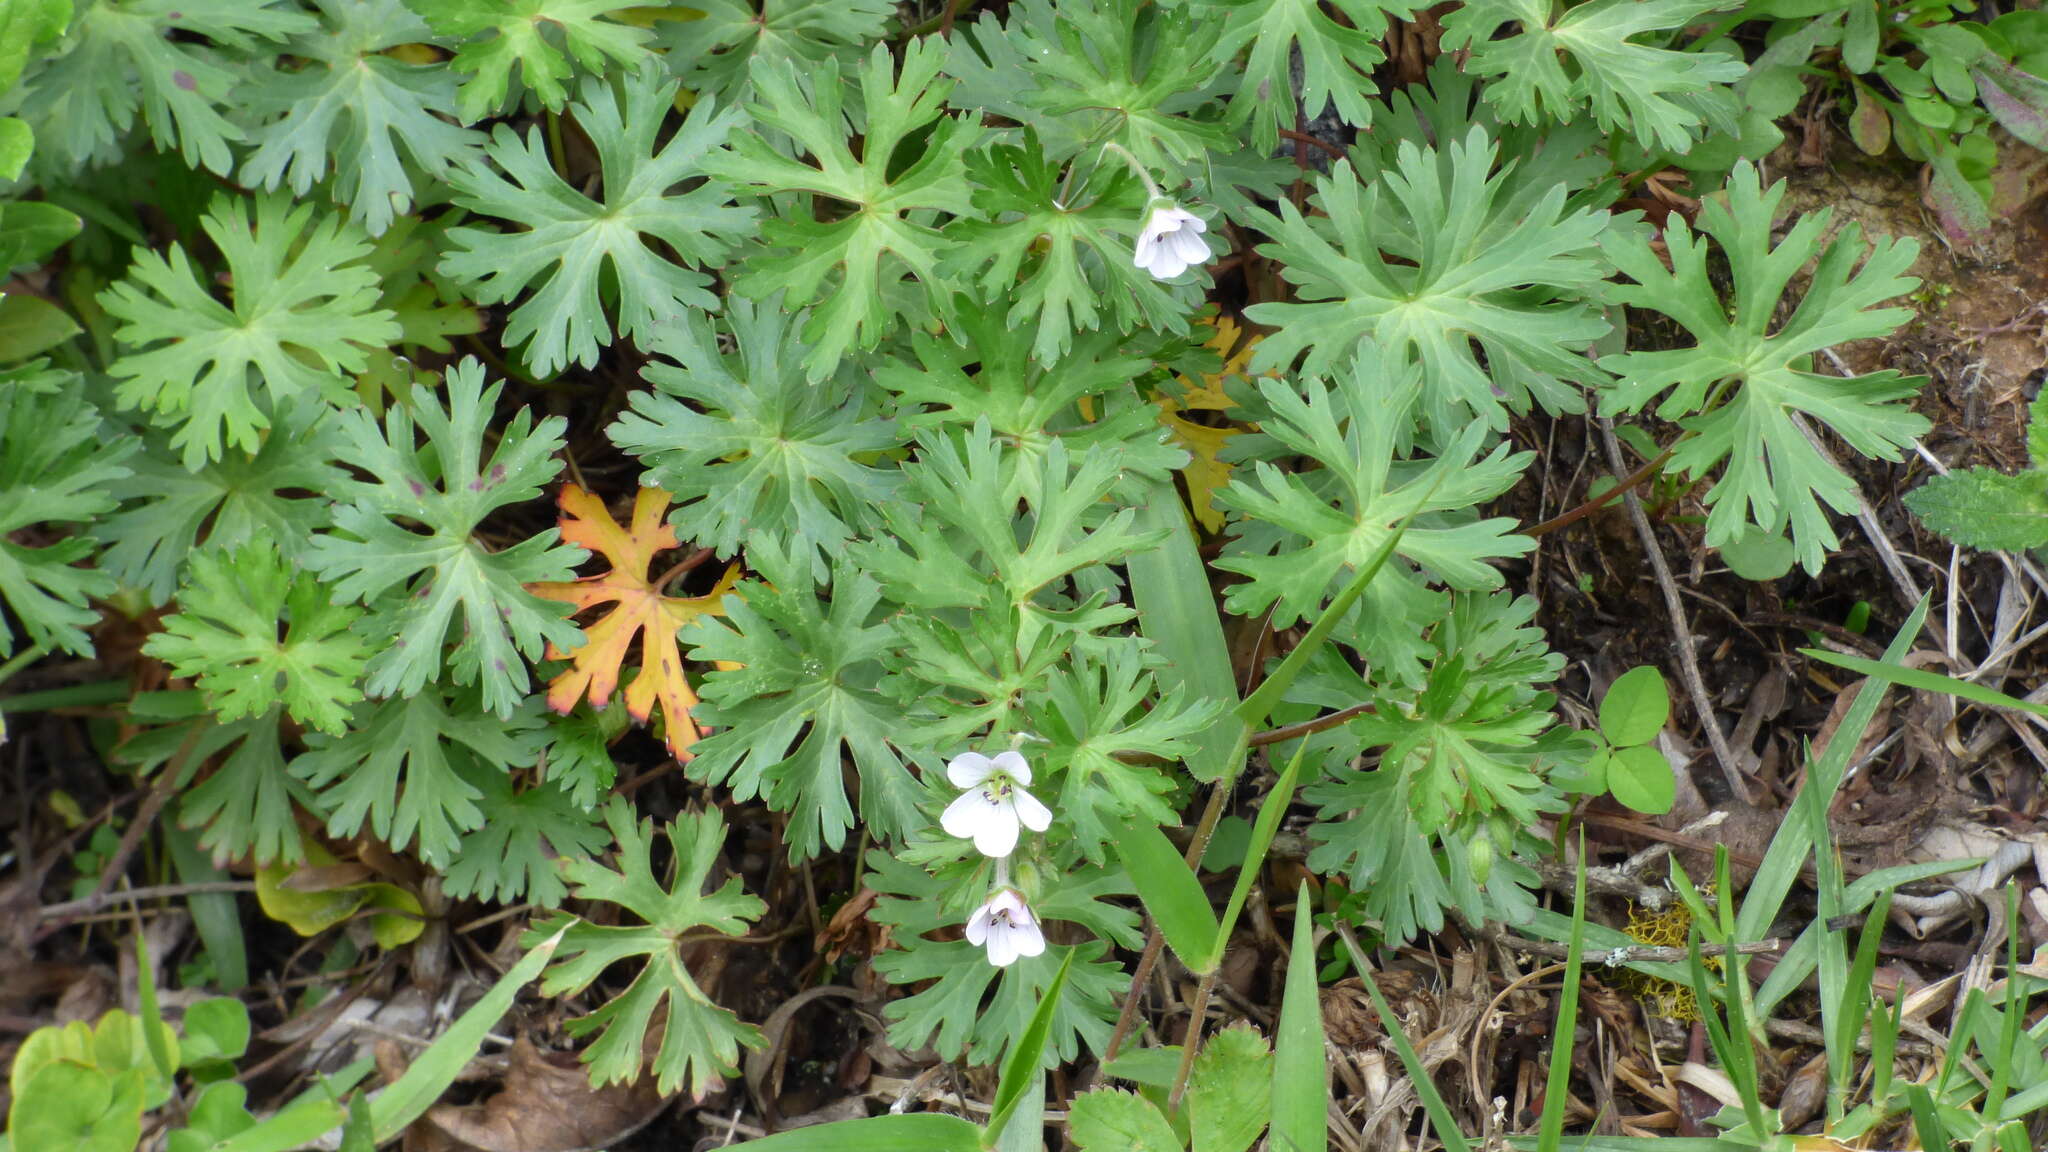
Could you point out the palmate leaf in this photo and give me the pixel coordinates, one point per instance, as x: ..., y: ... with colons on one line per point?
x: 570, y: 243
x: 700, y: 1041
x: 794, y: 699
x: 1337, y: 59
x: 56, y: 467
x: 164, y: 58
x: 543, y: 40
x: 755, y: 454
x: 640, y: 609
x: 245, y: 806
x: 1301, y: 534
x: 515, y: 854
x: 953, y: 1010
x: 1557, y: 65
x: 407, y: 769
x: 1431, y: 263
x: 729, y: 41
x: 1755, y: 377
x: 411, y: 525
x: 304, y: 313
x: 874, y: 233
x: 1063, y: 254
x: 169, y: 511
x: 352, y: 105
x: 253, y: 634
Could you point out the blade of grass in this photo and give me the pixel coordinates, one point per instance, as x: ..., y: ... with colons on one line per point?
x: 916, y: 1132
x: 214, y: 914
x: 1177, y: 613
x: 1848, y: 1024
x: 1259, y: 705
x: 1025, y: 1060
x: 1301, y: 1073
x: 1557, y: 1087
x: 1794, y: 840
x: 1270, y: 811
x: 1891, y: 672
x: 409, y: 1097
x: 1439, y: 1113
x: 155, y: 1034
x: 1172, y: 893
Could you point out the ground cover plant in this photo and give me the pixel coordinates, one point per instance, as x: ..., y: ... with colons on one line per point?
x: 1098, y: 574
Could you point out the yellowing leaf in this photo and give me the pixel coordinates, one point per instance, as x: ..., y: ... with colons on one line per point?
x: 641, y: 611
x: 309, y: 899
x: 1205, y: 471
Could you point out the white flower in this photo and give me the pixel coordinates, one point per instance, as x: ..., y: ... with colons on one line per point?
x: 1005, y: 926
x: 1171, y: 241
x: 995, y: 802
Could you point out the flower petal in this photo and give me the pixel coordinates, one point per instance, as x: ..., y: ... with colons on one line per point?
x: 1030, y: 812
x: 996, y: 837
x: 1027, y: 939
x: 1189, y: 246
x: 1013, y: 764
x: 1002, y: 946
x: 978, y: 924
x: 1191, y: 221
x: 970, y: 812
x: 968, y: 769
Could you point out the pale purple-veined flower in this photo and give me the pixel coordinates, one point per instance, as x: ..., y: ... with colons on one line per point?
x: 994, y: 803
x: 1171, y: 241
x: 1005, y: 926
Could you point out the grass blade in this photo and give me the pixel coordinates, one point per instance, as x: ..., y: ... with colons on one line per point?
x: 1268, y: 823
x: 1890, y: 672
x: 1177, y: 613
x: 1022, y: 1067
x: 1301, y: 1072
x: 1172, y: 894
x: 1557, y: 1087
x: 407, y: 1099
x: 916, y: 1132
x: 1440, y: 1117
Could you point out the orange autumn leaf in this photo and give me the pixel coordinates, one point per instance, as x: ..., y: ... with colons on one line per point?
x: 641, y: 610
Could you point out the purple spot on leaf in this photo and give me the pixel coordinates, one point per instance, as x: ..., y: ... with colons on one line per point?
x: 497, y: 473
x: 183, y: 79
x: 418, y: 489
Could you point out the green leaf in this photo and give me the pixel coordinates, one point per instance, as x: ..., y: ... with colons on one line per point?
x: 1303, y: 533
x: 1636, y: 706
x: 1171, y: 891
x: 1177, y: 612
x: 1062, y: 251
x: 754, y: 453
x: 246, y: 805
x: 874, y: 233
x: 1758, y: 555
x: 800, y: 704
x: 1112, y: 1120
x: 514, y: 855
x: 253, y: 633
x: 1230, y: 1091
x: 30, y: 230
x: 351, y: 105
x: 568, y: 246
x: 172, y: 60
x: 729, y: 42
x: 56, y: 466
x: 1894, y: 673
x: 913, y: 1132
x: 270, y: 496
x: 700, y: 1041
x: 412, y: 526
x: 432, y: 1071
x: 953, y: 1009
x: 1737, y: 388
x: 1024, y: 1067
x: 1445, y: 261
x: 544, y: 40
x: 216, y: 1032
x: 1985, y: 509
x: 1562, y: 62
x: 407, y: 768
x: 1301, y: 1071
x: 76, y: 1106
x: 30, y: 326
x: 1337, y: 59
x: 1641, y: 778
x: 303, y: 315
